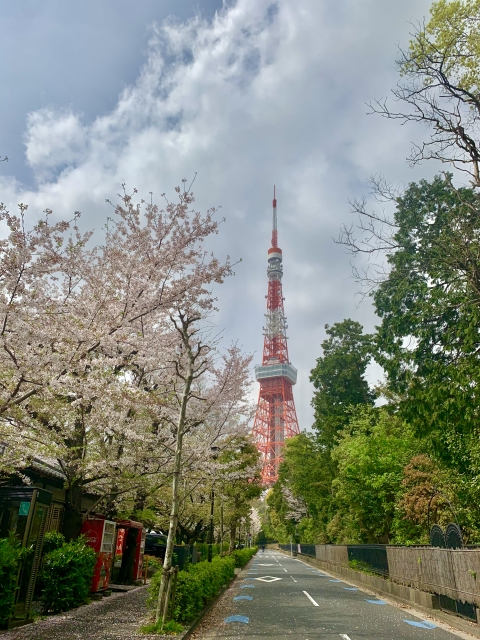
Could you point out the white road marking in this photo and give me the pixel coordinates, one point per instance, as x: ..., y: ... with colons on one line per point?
x: 293, y: 578
x: 285, y: 570
x: 315, y: 604
x: 267, y: 579
x: 344, y: 636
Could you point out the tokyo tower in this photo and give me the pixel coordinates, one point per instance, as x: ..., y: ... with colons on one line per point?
x: 275, y: 418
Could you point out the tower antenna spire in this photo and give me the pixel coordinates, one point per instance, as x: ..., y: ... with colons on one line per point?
x: 276, y: 417
x: 274, y: 226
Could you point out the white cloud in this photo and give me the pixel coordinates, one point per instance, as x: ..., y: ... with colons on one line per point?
x: 54, y: 140
x: 264, y: 93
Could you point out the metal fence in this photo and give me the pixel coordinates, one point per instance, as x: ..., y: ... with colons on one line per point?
x: 370, y: 556
x: 308, y: 550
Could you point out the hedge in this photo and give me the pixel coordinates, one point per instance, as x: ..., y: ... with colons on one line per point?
x: 66, y: 576
x: 243, y: 556
x: 199, y: 583
x: 10, y: 555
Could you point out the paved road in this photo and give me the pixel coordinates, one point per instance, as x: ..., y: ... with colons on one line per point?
x: 293, y: 600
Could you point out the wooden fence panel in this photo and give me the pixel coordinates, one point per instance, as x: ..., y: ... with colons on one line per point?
x: 335, y: 554
x: 466, y: 568
x: 450, y: 572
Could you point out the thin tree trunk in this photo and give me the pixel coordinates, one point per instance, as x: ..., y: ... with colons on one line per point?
x: 162, y: 603
x: 233, y: 533
x: 221, y: 528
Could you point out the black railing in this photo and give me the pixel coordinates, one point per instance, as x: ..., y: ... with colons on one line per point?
x: 308, y: 550
x: 372, y: 557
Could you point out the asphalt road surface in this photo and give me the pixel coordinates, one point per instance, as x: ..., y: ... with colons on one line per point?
x: 281, y: 597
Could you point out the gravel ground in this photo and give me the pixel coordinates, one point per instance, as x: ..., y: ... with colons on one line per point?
x: 212, y: 625
x: 117, y: 617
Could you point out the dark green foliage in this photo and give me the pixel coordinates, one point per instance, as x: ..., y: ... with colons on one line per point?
x: 199, y: 583
x: 428, y: 341
x: 429, y: 338
x: 10, y: 556
x: 52, y: 540
x: 371, y: 455
x: 202, y: 548
x: 338, y: 378
x: 67, y: 575
x: 243, y: 556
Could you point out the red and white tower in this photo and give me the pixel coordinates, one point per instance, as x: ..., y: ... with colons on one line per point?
x: 276, y: 418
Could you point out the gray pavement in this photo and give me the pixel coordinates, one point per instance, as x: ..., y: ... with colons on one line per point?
x: 293, y: 600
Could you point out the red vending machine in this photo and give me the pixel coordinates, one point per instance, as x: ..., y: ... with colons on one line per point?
x: 100, y: 535
x: 130, y: 541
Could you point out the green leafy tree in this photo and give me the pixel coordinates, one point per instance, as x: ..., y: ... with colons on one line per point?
x: 370, y: 456
x: 339, y: 378
x: 239, y: 481
x: 428, y: 341
x: 307, y: 470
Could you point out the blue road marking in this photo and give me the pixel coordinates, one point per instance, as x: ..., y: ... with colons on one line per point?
x: 243, y: 598
x: 243, y: 619
x: 424, y: 624
x: 247, y: 586
x: 350, y: 588
x: 376, y: 601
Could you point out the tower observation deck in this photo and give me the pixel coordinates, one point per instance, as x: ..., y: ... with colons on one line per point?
x: 276, y: 417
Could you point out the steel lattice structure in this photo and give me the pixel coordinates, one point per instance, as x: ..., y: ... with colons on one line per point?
x: 276, y: 417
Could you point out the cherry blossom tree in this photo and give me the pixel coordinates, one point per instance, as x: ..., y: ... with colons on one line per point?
x: 89, y: 369
x: 210, y: 400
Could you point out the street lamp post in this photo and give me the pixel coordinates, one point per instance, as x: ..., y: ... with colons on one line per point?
x: 214, y: 451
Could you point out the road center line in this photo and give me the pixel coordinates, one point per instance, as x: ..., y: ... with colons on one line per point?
x: 315, y: 604
x: 293, y: 578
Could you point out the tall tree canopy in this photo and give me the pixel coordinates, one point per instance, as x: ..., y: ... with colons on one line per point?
x: 428, y: 340
x: 339, y: 378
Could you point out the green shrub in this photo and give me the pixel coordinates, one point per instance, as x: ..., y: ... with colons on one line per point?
x: 196, y: 586
x: 52, y: 540
x: 217, y: 549
x: 243, y: 556
x: 153, y: 563
x: 67, y: 575
x: 10, y: 555
x: 359, y: 565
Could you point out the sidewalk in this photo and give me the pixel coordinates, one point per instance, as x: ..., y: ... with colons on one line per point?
x: 117, y: 617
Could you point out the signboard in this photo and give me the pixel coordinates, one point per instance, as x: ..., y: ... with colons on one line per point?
x: 24, y: 508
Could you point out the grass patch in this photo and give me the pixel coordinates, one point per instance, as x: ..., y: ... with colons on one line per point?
x: 358, y: 565
x: 170, y: 628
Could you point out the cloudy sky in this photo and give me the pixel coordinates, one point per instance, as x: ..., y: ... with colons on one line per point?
x: 246, y: 94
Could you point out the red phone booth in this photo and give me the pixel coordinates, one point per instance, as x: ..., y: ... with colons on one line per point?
x: 100, y: 535
x: 130, y: 541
